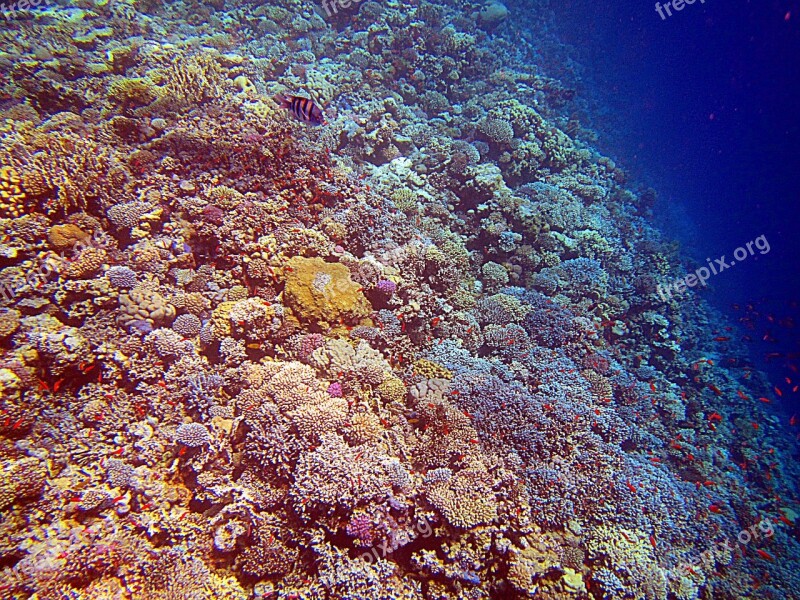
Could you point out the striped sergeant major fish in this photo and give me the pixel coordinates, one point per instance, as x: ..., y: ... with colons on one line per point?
x: 303, y: 108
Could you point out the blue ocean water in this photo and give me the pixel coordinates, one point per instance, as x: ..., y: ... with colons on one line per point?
x: 703, y: 106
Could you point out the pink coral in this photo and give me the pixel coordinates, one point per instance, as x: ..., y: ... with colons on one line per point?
x: 360, y: 527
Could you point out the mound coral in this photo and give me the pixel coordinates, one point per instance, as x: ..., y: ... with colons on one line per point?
x: 322, y: 292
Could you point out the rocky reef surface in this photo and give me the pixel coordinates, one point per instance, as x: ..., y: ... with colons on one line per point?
x: 415, y: 352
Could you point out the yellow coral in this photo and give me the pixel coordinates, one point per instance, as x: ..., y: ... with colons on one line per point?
x: 136, y: 90
x: 88, y: 263
x: 323, y: 292
x: 65, y: 236
x: 600, y: 386
x: 195, y: 79
x: 364, y: 427
x: 9, y: 322
x: 220, y: 320
x: 392, y: 390
x: 430, y: 370
x: 465, y: 499
x: 236, y: 293
x: 70, y: 172
x: 12, y: 198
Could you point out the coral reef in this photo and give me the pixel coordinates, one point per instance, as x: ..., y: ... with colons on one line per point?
x: 414, y: 352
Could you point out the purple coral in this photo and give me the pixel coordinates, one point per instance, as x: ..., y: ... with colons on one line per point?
x: 386, y: 287
x: 309, y: 343
x: 335, y: 390
x: 360, y: 527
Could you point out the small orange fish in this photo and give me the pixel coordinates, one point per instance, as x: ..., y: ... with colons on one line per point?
x: 778, y: 391
x: 715, y: 509
x: 721, y: 338
x: 652, y: 387
x: 715, y: 389
x: 742, y: 395
x: 755, y: 425
x: 793, y: 420
x: 631, y: 487
x: 653, y: 541
x: 765, y: 400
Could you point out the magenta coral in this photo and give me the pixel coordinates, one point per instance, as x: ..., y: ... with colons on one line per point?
x: 387, y: 287
x: 360, y: 527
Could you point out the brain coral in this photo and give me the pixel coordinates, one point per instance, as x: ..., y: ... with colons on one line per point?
x: 323, y: 292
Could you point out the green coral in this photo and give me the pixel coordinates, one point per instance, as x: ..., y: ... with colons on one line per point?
x: 392, y: 390
x: 495, y: 276
x: 405, y: 200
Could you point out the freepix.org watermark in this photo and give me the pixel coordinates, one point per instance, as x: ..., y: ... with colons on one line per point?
x: 676, y: 5
x: 703, y: 274
x: 9, y: 10
x: 332, y: 6
x: 724, y: 547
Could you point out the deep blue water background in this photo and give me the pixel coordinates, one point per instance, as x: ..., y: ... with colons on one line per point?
x: 705, y: 107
